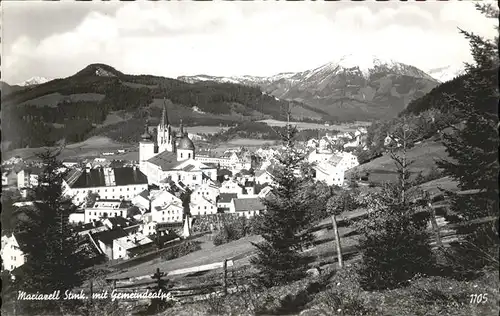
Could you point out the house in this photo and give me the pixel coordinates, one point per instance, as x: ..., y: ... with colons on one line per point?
x: 77, y: 217
x: 249, y: 188
x: 263, y: 177
x: 163, y: 198
x: 90, y: 228
x: 329, y: 173
x: 206, y: 191
x: 312, y: 143
x: 247, y: 207
x: 265, y: 192
x: 104, y: 240
x: 231, y: 186
x: 202, y: 207
x: 107, y: 183
x: 119, y: 222
x: 13, y: 161
x: 106, y: 209
x: 324, y: 142
x: 70, y: 163
x: 345, y: 160
x: 12, y: 253
x: 387, y: 140
x: 128, y: 246
x: 9, y: 178
x: 28, y: 178
x: 168, y: 164
x: 142, y: 201
x: 148, y: 228
x: 316, y: 157
x: 168, y: 213
x: 224, y: 201
x: 223, y: 161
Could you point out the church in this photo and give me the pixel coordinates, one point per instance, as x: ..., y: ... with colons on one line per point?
x: 172, y: 157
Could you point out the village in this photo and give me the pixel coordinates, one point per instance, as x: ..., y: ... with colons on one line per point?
x: 171, y: 191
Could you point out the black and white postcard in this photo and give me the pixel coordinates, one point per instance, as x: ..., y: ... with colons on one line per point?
x: 249, y: 158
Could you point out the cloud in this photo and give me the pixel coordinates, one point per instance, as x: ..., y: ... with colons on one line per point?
x: 261, y: 38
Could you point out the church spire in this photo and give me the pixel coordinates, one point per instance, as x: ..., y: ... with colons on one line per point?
x: 164, y: 116
x: 182, y: 129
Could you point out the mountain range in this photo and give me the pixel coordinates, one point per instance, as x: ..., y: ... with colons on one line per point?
x: 354, y: 87
x: 100, y: 100
x: 33, y: 81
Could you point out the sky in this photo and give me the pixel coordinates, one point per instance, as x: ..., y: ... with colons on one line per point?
x: 57, y: 39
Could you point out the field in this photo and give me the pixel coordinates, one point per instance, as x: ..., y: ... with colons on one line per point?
x: 116, y: 117
x: 424, y: 155
x: 348, y: 127
x: 91, y: 147
x: 250, y: 142
x: 205, y: 129
x: 54, y: 99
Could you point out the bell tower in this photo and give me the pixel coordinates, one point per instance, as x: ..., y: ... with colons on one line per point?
x: 164, y: 136
x: 146, y: 149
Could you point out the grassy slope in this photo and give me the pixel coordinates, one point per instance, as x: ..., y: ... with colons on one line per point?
x: 201, y: 257
x: 382, y: 169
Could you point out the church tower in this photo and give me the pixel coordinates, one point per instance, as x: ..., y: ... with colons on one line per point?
x: 164, y: 136
x: 185, y: 149
x: 146, y: 149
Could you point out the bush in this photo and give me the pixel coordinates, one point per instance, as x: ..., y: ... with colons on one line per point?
x: 394, y: 251
x: 234, y: 228
x: 182, y: 250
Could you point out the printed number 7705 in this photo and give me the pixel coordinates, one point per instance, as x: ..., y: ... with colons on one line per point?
x: 478, y: 298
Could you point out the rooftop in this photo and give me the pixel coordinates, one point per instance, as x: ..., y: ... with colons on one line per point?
x: 250, y: 204
x: 119, y: 221
x: 105, y: 177
x: 132, y: 241
x: 108, y: 236
x: 165, y: 160
x: 227, y: 197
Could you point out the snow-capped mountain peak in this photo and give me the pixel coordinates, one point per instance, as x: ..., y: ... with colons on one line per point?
x: 446, y: 73
x: 33, y: 81
x: 364, y: 65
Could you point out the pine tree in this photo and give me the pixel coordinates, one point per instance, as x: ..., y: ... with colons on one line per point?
x: 278, y: 259
x: 53, y: 255
x: 395, y: 244
x: 473, y: 149
x: 162, y: 285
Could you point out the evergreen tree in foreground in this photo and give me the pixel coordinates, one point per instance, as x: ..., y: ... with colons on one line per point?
x: 473, y: 150
x: 394, y: 241
x: 278, y: 259
x: 53, y: 255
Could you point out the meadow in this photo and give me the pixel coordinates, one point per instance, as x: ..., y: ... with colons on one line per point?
x: 92, y: 147
x: 344, y: 127
x: 423, y: 155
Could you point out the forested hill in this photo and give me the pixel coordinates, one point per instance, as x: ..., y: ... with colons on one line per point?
x: 81, y: 105
x: 437, y: 110
x: 438, y: 99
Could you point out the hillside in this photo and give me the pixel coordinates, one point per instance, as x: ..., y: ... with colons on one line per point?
x: 6, y: 88
x: 438, y: 98
x: 423, y: 155
x: 79, y: 106
x: 352, y: 88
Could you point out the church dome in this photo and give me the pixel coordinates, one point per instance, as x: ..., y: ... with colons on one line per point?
x: 185, y: 143
x: 146, y: 135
